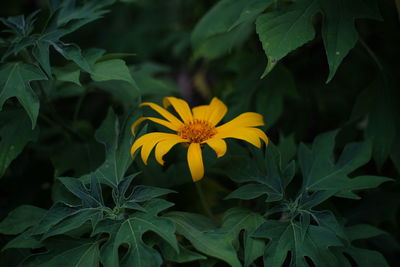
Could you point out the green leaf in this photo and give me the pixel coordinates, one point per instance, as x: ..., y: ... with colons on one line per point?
x: 217, y: 245
x: 90, y: 197
x: 24, y: 240
x: 225, y: 26
x: 15, y: 81
x: 362, y: 231
x: 74, y: 221
x: 184, y: 255
x: 266, y: 171
x: 67, y: 74
x: 269, y: 98
x: 117, y: 141
x: 114, y: 69
x: 301, y: 240
x: 20, y: 219
x: 80, y: 256
x: 338, y: 29
x: 130, y: 232
x: 321, y: 173
x: 15, y: 133
x: 235, y: 221
x: 281, y: 32
x: 72, y: 52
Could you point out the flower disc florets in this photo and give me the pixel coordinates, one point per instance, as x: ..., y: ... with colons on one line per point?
x: 197, y: 131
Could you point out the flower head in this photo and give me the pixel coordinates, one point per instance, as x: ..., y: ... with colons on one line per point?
x: 196, y: 127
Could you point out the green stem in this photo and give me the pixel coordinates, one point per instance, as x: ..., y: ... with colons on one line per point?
x: 203, y: 201
x: 372, y: 54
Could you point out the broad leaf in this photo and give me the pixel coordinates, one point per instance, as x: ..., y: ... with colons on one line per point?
x: 20, y: 219
x: 321, y: 173
x: 130, y: 231
x: 195, y: 229
x: 15, y: 133
x: 114, y: 69
x: 283, y: 31
x: 301, y: 240
x: 15, y: 81
x: 264, y: 173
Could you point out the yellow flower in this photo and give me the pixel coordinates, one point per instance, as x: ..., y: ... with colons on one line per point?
x: 197, y: 126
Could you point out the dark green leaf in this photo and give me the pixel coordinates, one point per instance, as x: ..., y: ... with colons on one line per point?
x: 214, y: 244
x: 15, y: 81
x: 20, y: 219
x: 15, y: 132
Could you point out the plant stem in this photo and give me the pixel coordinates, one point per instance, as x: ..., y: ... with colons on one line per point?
x: 204, y: 203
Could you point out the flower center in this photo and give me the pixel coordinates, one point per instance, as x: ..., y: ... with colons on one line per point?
x: 197, y: 131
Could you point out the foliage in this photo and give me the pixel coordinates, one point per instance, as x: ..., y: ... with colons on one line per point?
x: 324, y: 192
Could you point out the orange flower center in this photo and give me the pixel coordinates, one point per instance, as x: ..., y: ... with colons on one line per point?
x: 197, y: 131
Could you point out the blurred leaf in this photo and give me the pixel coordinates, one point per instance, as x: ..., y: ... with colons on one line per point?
x: 20, y: 219
x: 184, y: 255
x: 226, y: 26
x: 114, y: 69
x: 283, y: 31
x: 68, y: 74
x: 15, y: 133
x: 270, y: 94
x: 83, y: 255
x: 15, y: 81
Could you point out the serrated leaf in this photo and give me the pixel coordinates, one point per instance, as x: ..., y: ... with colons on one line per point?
x: 214, y: 35
x: 130, y: 232
x: 313, y: 242
x: 20, y: 219
x: 15, y: 81
x: 117, y: 141
x: 214, y: 244
x: 281, y: 32
x: 74, y: 221
x: 266, y: 171
x: 144, y: 193
x: 237, y: 220
x: 86, y: 255
x: 72, y: 52
x: 16, y: 132
x: 321, y: 173
x: 90, y: 197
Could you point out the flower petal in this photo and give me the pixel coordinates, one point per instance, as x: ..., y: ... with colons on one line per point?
x: 156, y: 120
x: 247, y: 119
x: 147, y: 142
x: 164, y: 146
x: 201, y: 112
x: 217, y: 111
x: 251, y: 135
x: 180, y: 106
x: 163, y: 112
x: 218, y: 145
x: 195, y: 161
